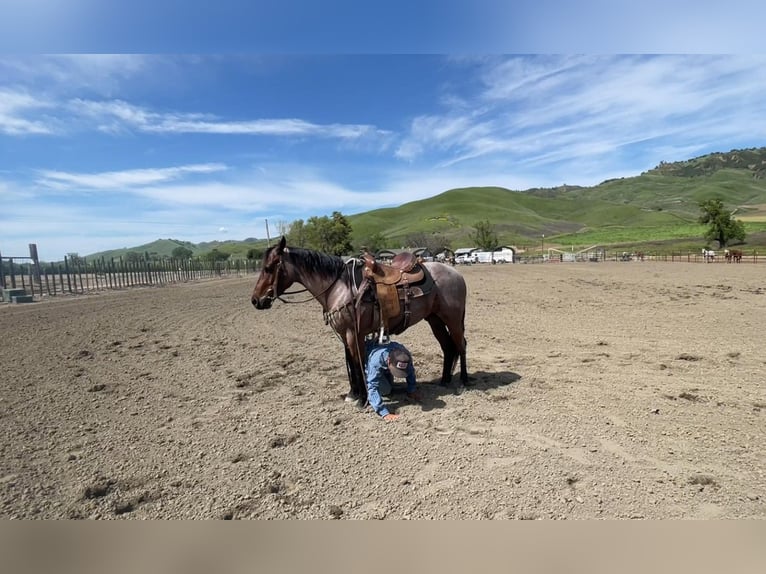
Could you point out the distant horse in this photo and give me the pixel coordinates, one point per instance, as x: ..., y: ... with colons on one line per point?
x: 709, y: 255
x: 335, y: 285
x: 734, y: 255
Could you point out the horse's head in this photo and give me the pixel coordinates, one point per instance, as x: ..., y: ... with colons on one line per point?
x: 274, y: 277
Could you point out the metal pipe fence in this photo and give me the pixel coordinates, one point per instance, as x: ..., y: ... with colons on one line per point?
x: 625, y: 256
x: 83, y: 276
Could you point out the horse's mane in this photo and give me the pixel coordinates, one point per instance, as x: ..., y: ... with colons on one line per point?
x: 316, y: 262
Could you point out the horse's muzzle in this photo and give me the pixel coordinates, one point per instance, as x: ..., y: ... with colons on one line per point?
x: 263, y: 302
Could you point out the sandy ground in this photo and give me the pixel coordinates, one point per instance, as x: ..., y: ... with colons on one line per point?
x: 601, y: 390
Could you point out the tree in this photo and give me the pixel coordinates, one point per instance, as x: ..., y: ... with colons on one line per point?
x: 485, y: 236
x: 75, y: 258
x: 181, y: 252
x: 296, y: 234
x: 434, y: 242
x: 254, y: 253
x: 329, y: 235
x: 133, y: 257
x: 374, y: 242
x: 722, y: 227
x: 215, y: 255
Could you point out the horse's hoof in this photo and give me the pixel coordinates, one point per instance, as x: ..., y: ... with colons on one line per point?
x: 356, y: 401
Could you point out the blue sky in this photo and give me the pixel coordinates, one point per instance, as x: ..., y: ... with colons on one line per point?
x: 204, y: 140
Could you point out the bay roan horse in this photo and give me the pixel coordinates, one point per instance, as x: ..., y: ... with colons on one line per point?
x: 334, y: 284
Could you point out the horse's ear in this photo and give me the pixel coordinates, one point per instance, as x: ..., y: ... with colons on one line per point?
x: 282, y: 243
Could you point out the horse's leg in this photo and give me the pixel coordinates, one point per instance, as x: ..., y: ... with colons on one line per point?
x: 439, y: 330
x: 463, y: 366
x: 353, y: 393
x: 355, y: 362
x: 457, y: 332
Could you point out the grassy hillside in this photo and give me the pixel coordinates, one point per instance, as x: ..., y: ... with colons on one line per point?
x: 164, y: 248
x: 656, y: 210
x: 678, y: 195
x: 517, y: 216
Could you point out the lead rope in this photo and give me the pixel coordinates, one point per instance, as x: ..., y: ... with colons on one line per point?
x: 329, y: 317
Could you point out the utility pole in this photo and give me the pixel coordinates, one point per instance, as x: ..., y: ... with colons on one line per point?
x: 268, y: 239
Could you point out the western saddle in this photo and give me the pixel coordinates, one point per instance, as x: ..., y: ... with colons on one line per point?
x: 395, y: 284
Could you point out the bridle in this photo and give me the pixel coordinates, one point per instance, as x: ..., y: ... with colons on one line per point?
x: 270, y: 292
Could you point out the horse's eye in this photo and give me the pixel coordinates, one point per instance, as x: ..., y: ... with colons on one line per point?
x: 269, y: 268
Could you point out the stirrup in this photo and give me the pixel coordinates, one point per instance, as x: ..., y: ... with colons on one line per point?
x: 383, y: 338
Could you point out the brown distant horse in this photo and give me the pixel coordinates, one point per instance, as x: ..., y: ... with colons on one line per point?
x: 335, y: 285
x: 734, y: 255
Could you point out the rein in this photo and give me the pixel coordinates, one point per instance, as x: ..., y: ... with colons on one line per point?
x: 325, y: 290
x: 360, y: 353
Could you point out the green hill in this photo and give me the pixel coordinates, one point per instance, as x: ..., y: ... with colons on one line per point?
x: 162, y: 248
x: 517, y: 216
x: 657, y: 209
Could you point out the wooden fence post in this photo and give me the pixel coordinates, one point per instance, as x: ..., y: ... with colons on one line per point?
x: 35, y: 268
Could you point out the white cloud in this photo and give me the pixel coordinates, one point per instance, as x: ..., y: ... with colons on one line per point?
x: 120, y: 180
x: 516, y: 123
x: 551, y: 108
x: 114, y: 115
x: 15, y: 105
x: 72, y: 73
x: 199, y: 211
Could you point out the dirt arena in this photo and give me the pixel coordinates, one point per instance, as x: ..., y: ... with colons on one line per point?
x: 601, y: 390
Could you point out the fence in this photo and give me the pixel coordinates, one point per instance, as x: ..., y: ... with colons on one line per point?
x: 83, y: 276
x: 604, y: 255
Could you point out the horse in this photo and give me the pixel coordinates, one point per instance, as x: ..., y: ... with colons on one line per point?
x: 734, y: 255
x: 335, y: 285
x: 709, y: 255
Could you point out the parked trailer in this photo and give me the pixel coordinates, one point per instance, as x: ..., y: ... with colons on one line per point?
x: 504, y: 256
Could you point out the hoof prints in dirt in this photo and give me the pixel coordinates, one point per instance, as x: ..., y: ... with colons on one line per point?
x: 99, y: 489
x: 129, y: 505
x: 122, y: 504
x: 257, y: 381
x: 703, y: 480
x: 277, y: 497
x: 567, y: 428
x: 282, y: 441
